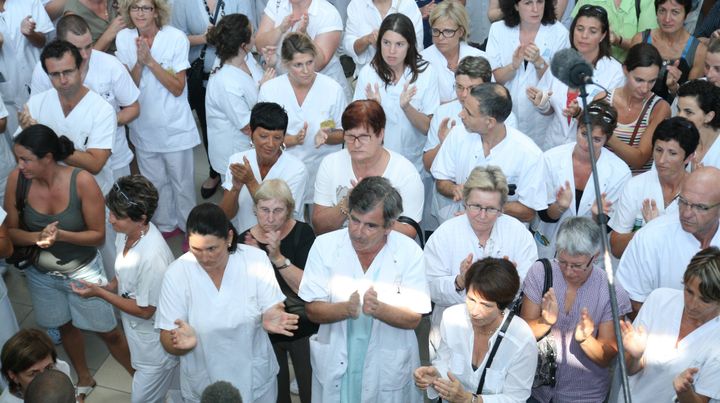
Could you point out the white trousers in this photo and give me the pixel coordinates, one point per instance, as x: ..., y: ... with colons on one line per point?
x: 153, y: 386
x: 173, y: 174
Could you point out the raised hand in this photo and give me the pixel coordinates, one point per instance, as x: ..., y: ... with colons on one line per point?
x: 297, y: 139
x: 585, y: 326
x: 445, y: 126
x: 242, y: 174
x: 549, y: 307
x: 144, y: 56
x: 517, y: 57
x: 464, y: 266
x: 564, y: 196
x: 183, y: 337
x: 684, y: 381
x: 321, y: 137
x: 276, y: 320
x: 27, y: 26
x: 607, y: 206
x: 304, y: 22
x: 649, y: 210
x: 25, y: 119
x: 407, y: 94
x: 634, y: 340
x: 371, y: 304
x: 373, y: 92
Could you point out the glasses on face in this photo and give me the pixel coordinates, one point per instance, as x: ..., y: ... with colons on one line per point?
x: 59, y: 74
x: 124, y: 196
x: 361, y: 139
x: 575, y: 266
x: 476, y: 208
x: 446, y: 33
x: 589, y: 9
x: 142, y: 9
x: 696, y: 207
x: 266, y: 211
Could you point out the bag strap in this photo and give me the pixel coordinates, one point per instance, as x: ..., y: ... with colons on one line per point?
x: 220, y: 5
x: 21, y: 191
x: 637, y: 10
x: 640, y: 119
x: 548, y: 275
x: 494, y: 350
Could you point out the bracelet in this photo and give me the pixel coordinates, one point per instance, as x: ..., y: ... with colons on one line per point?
x: 457, y: 287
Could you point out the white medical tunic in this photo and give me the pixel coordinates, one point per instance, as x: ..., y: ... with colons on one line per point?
x: 502, y: 42
x: 558, y: 167
x: 287, y: 167
x: 91, y: 124
x: 165, y: 123
x: 400, y: 134
x: 627, y: 210
x: 657, y: 256
x: 109, y: 78
x: 332, y: 273
x: 336, y: 174
x: 446, y: 77
x: 364, y: 17
x: 232, y: 344
x: 324, y: 102
x: 7, y: 158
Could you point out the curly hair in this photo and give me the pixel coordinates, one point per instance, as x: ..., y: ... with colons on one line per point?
x: 229, y: 35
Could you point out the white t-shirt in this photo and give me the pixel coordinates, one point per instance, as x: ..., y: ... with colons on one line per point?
x: 227, y: 322
x: 712, y: 156
x: 665, y: 357
x: 558, y: 168
x: 140, y: 274
x: 231, y: 95
x: 628, y: 208
x: 111, y: 80
x: 335, y: 175
x: 446, y: 77
x: 91, y: 124
x: 18, y: 56
x: 400, y: 135
x: 332, y: 273
x: 323, y: 18
x: 165, y: 123
x: 502, y: 43
x: 364, y: 17
x: 287, y: 168
x: 518, y: 157
x: 657, y: 256
x: 324, y: 102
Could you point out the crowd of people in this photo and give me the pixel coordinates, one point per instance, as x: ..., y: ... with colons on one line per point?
x: 408, y: 205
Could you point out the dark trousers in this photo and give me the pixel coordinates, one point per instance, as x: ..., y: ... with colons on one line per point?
x: 300, y: 354
x: 196, y: 99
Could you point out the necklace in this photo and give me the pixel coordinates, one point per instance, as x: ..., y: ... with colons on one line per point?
x: 142, y: 234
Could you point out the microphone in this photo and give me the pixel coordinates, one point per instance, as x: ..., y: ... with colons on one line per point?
x: 569, y: 67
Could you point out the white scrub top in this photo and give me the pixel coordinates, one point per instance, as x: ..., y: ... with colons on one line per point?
x: 166, y: 123
x: 627, y: 210
x: 7, y: 158
x: 324, y: 102
x: 287, y: 168
x: 502, y: 43
x: 400, y: 135
x: 446, y: 77
x: 232, y: 344
x: 109, y: 78
x: 332, y: 273
x: 558, y: 167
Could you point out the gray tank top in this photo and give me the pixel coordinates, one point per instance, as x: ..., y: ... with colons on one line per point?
x: 62, y: 257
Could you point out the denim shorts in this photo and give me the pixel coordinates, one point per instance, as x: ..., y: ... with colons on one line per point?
x: 55, y: 303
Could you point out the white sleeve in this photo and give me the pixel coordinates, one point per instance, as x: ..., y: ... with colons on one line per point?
x: 519, y: 375
x: 172, y: 304
x: 104, y: 127
x: 362, y: 81
x: 353, y: 32
x: 40, y: 81
x: 495, y: 46
x: 706, y: 383
x: 429, y: 97
x: 329, y: 21
x: 338, y: 107
x: 43, y: 23
x: 268, y: 290
x: 325, y: 195
x: 635, y: 271
x: 181, y: 53
x: 412, y: 192
x: 315, y: 283
x: 124, y: 88
x: 126, y: 51
x: 550, y: 186
x: 440, y: 273
x: 444, y: 167
x: 531, y: 184
x: 297, y: 183
x: 622, y: 218
x: 234, y: 105
x: 151, y: 271
x: 432, y: 137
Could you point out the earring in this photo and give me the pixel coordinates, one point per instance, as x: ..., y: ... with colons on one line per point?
x: 252, y: 145
x: 283, y: 146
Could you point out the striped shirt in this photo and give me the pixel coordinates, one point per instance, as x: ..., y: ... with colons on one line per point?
x: 624, y: 131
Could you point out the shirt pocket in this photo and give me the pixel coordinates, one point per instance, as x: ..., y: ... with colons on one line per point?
x: 494, y: 381
x: 396, y: 371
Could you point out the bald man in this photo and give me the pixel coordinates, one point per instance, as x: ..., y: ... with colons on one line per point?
x: 660, y: 251
x: 50, y: 386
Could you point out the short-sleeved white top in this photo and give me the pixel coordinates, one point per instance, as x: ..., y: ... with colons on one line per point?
x: 446, y: 77
x: 628, y: 208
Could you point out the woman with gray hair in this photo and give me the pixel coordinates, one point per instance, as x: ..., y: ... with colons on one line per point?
x: 575, y: 314
x: 287, y: 243
x: 483, y: 231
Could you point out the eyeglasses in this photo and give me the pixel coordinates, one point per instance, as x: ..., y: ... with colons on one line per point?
x: 476, y: 208
x: 446, y: 33
x: 59, y: 74
x: 575, y: 266
x: 266, y: 211
x: 362, y: 139
x: 142, y: 9
x: 696, y: 207
x: 124, y: 196
x: 590, y: 9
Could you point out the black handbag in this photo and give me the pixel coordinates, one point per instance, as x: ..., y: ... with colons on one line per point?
x: 196, y: 75
x: 22, y: 256
x: 547, y: 348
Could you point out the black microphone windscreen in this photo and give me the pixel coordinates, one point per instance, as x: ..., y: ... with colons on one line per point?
x: 565, y: 67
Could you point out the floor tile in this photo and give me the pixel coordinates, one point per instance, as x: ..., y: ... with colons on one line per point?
x: 113, y: 375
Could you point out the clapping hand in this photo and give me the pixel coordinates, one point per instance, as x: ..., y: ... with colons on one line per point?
x: 353, y: 306
x: 634, y: 340
x: 48, y: 236
x: 649, y: 210
x: 183, y: 337
x: 373, y: 92
x: 445, y: 126
x: 549, y: 306
x: 607, y: 206
x: 407, y: 95
x: 242, y: 174
x: 464, y: 266
x: 27, y: 26
x: 144, y: 57
x: 564, y: 196
x: 371, y: 304
x: 684, y: 382
x: 297, y: 139
x: 425, y: 376
x: 585, y: 326
x: 276, y: 320
x: 451, y: 389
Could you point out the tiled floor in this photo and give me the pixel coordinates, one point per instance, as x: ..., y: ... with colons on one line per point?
x: 112, y: 379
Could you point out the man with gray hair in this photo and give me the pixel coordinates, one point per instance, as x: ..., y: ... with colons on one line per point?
x: 365, y: 285
x: 489, y: 141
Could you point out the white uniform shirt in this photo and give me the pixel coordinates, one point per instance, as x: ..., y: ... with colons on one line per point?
x: 364, y: 17
x: 665, y: 357
x: 657, y: 256
x: 628, y: 208
x: 17, y: 55
x: 7, y: 158
x: 325, y: 101
x: 446, y: 77
x: 336, y: 174
x: 227, y: 321
x: 91, y: 124
x: 140, y: 274
x: 501, y: 45
x: 332, y: 273
x: 109, y: 78
x: 558, y: 167
x: 324, y: 18
x: 231, y: 95
x: 608, y: 73
x: 454, y: 240
x: 400, y: 135
x: 518, y: 157
x: 165, y: 123
x: 287, y: 168
x: 712, y: 156
x: 508, y: 379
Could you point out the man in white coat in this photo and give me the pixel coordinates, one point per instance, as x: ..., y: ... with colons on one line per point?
x: 366, y: 286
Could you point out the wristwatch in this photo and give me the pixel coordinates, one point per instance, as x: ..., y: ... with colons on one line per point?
x: 542, y: 65
x: 286, y: 263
